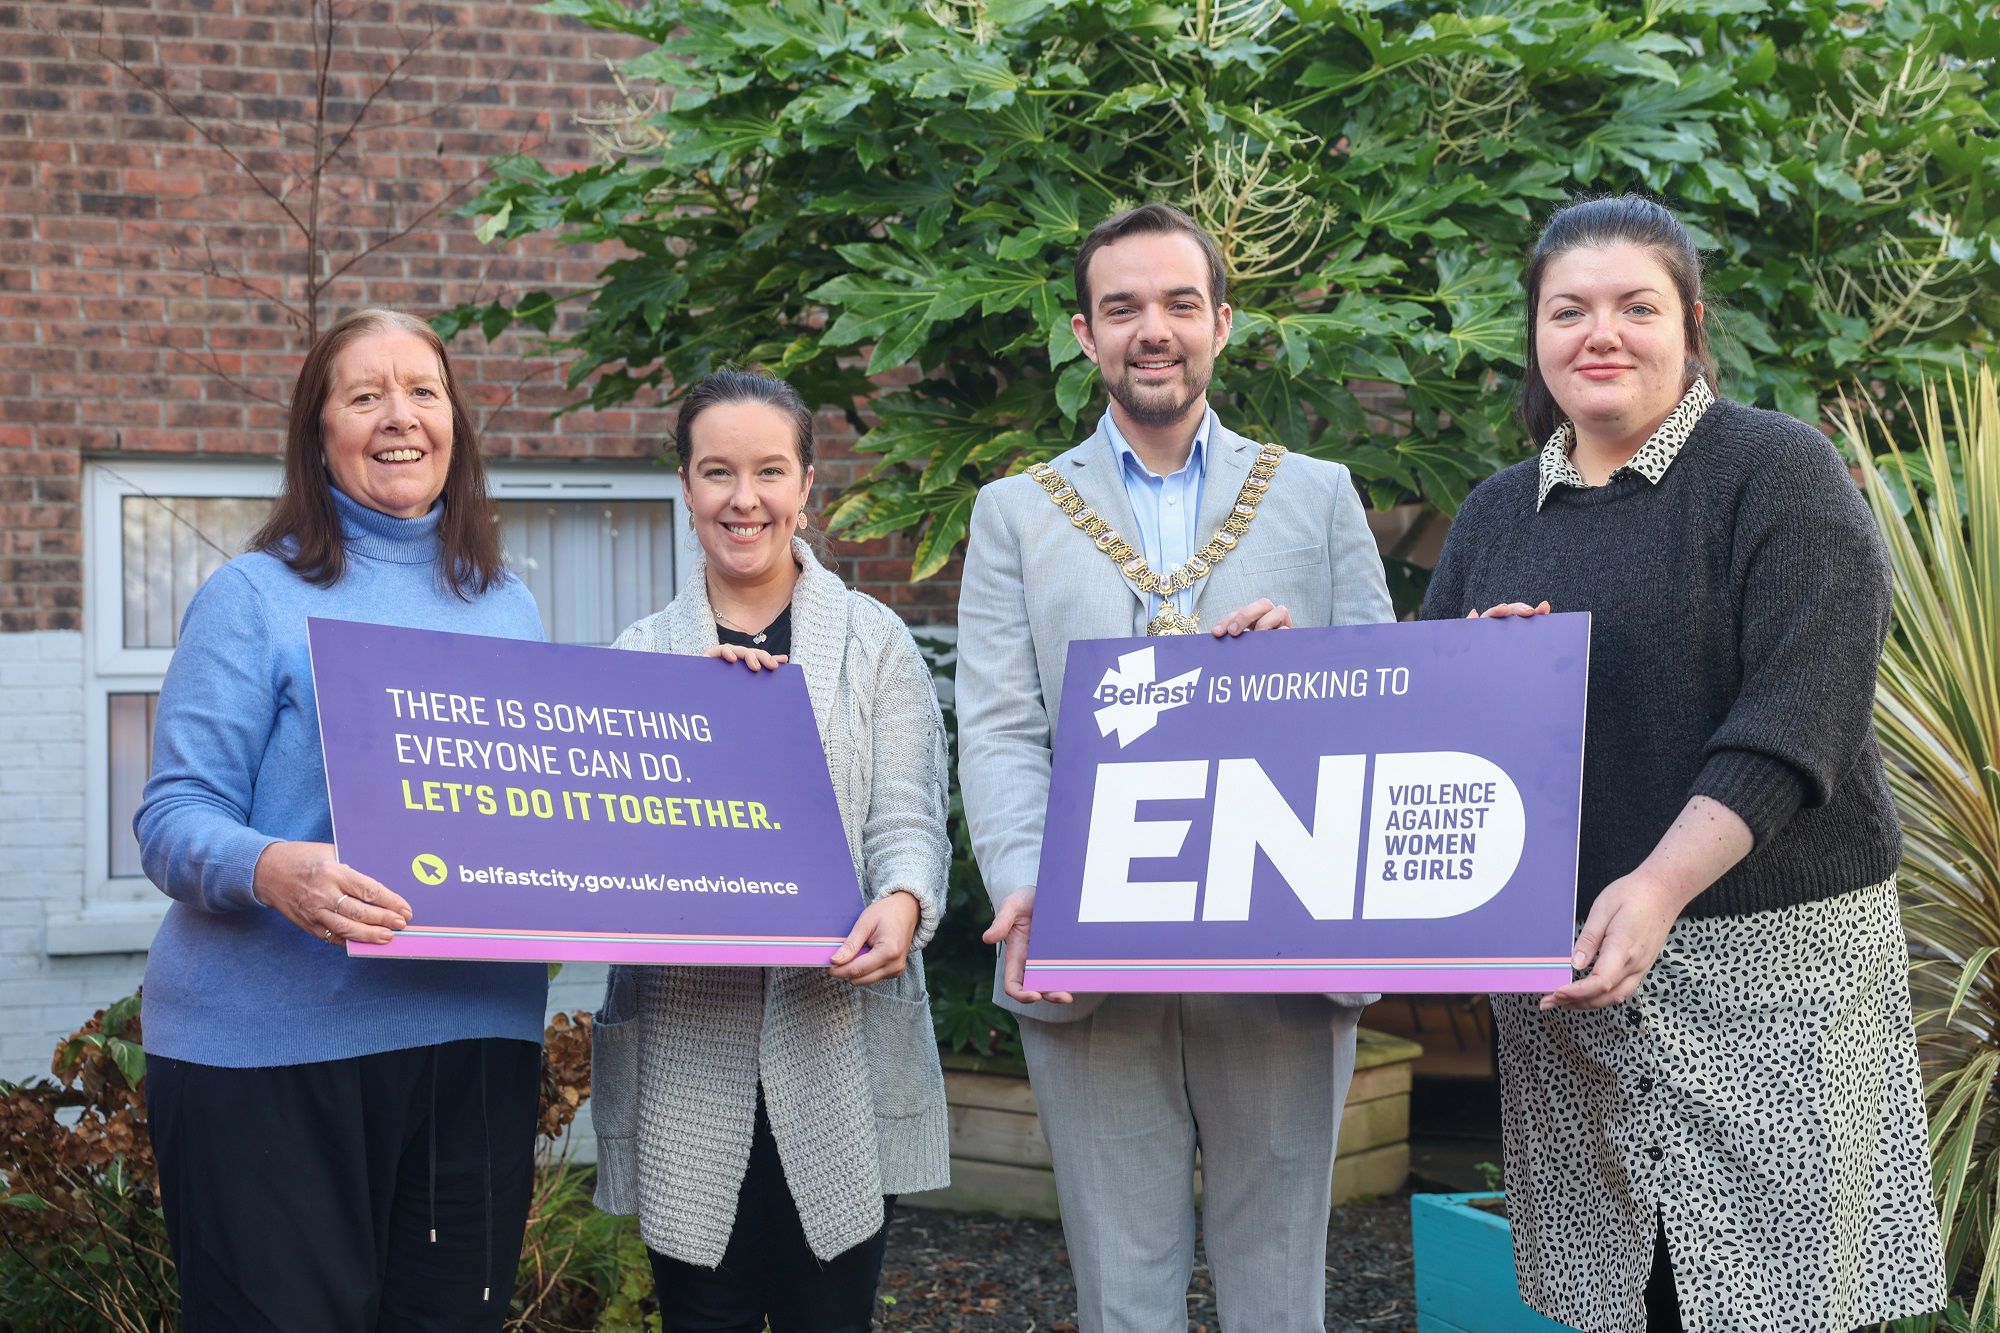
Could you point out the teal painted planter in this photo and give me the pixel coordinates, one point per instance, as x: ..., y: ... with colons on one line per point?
x: 1465, y: 1269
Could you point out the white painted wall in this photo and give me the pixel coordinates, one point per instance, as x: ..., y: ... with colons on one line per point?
x: 43, y: 998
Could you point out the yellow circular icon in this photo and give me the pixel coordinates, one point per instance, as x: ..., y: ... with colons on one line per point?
x: 428, y: 869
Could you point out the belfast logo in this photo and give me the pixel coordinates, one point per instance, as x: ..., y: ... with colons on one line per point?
x: 1133, y: 700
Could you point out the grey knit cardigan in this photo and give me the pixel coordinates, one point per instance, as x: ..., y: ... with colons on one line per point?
x: 850, y: 1075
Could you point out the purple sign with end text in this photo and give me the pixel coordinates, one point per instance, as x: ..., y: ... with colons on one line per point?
x: 564, y: 804
x: 1365, y: 808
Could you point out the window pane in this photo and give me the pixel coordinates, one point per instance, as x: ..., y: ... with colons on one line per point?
x: 594, y: 567
x: 171, y: 545
x: 131, y: 735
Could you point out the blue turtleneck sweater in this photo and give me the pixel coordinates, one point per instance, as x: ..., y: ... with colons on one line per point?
x: 237, y: 767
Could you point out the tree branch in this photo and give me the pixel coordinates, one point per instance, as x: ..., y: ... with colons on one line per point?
x: 214, y: 367
x: 426, y: 215
x: 159, y: 90
x: 493, y: 413
x: 216, y: 269
x: 396, y: 68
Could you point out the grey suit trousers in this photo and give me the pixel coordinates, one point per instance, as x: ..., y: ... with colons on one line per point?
x: 1128, y: 1092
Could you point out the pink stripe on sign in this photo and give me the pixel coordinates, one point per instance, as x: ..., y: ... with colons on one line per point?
x: 1282, y: 964
x: 1538, y: 980
x: 569, y: 949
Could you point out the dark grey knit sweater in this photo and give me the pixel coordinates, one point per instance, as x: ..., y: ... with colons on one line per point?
x: 1738, y: 608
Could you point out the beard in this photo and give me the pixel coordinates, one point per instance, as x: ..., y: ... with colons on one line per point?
x: 1159, y: 404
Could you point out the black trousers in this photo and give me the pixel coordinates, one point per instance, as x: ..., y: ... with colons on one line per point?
x: 381, y: 1192
x: 1663, y: 1303
x: 769, y: 1273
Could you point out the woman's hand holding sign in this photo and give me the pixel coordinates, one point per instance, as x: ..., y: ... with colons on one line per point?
x: 1628, y: 924
x: 309, y: 885
x: 754, y: 658
x: 1506, y: 609
x: 878, y: 948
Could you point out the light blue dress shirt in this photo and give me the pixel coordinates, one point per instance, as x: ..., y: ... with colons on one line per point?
x: 1166, y: 508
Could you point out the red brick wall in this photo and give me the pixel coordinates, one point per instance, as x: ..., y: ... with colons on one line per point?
x: 120, y: 336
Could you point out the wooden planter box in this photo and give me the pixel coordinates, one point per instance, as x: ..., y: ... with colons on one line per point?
x: 1000, y: 1161
x: 1465, y: 1269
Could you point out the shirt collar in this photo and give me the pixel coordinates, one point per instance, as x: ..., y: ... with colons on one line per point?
x: 1130, y: 461
x: 1654, y: 456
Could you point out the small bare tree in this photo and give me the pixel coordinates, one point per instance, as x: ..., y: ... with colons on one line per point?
x: 294, y: 163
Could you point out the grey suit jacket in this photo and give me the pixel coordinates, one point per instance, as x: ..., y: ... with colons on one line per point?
x: 1033, y: 583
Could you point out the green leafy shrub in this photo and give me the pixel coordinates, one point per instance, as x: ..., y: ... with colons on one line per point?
x: 880, y: 200
x: 85, y: 1246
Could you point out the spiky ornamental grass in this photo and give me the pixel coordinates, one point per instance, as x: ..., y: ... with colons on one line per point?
x: 1937, y: 715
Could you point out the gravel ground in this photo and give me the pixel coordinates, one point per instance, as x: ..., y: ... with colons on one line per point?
x: 962, y: 1273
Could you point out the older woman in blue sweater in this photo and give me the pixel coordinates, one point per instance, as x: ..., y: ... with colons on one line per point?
x: 342, y: 1144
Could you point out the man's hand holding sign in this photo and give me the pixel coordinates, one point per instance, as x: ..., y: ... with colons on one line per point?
x: 1013, y: 918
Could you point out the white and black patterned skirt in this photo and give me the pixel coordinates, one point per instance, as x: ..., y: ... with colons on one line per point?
x: 1760, y: 1097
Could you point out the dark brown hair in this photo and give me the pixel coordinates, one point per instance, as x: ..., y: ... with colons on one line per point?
x: 1149, y: 219
x: 304, y: 527
x: 1626, y: 219
x: 743, y: 386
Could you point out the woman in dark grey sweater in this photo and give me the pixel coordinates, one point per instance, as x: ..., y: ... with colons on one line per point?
x: 1720, y: 1124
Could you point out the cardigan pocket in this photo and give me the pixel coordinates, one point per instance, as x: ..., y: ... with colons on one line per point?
x: 614, y: 1093
x: 903, y: 1070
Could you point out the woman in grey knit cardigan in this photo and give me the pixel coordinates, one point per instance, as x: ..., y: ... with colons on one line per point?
x: 761, y: 1121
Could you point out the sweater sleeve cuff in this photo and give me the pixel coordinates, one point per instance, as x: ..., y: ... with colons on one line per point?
x: 232, y: 876
x: 930, y: 903
x: 1764, y: 792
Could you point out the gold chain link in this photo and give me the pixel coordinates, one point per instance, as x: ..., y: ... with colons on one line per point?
x: 1133, y: 564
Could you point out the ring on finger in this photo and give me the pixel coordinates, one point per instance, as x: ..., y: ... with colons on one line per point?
x: 327, y: 934
x: 341, y: 902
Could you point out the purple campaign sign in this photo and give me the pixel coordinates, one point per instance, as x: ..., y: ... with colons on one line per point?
x: 562, y: 804
x: 1367, y: 808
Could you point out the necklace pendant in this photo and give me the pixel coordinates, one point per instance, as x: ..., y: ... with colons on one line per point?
x: 1170, y: 621
x: 757, y: 638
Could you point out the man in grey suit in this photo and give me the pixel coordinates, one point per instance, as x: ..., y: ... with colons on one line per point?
x: 1161, y: 516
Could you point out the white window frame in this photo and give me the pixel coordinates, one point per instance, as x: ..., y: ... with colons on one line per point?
x: 121, y: 915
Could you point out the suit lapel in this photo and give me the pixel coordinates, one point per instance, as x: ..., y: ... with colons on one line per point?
x: 1229, y: 458
x: 1093, y: 470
